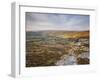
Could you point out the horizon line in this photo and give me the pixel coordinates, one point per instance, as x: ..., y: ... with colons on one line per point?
x: 56, y: 30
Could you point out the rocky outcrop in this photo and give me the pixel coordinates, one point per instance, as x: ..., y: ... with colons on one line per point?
x: 67, y: 60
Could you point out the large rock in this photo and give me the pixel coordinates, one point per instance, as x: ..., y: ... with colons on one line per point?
x: 67, y: 60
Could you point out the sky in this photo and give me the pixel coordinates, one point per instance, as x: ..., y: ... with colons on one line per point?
x: 56, y: 21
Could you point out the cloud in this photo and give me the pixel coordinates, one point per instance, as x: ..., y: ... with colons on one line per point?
x: 48, y: 21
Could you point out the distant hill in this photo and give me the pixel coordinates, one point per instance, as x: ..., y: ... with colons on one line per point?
x: 82, y: 34
x: 61, y: 34
x: 68, y: 34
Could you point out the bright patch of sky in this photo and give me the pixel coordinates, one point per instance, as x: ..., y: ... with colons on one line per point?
x: 53, y: 21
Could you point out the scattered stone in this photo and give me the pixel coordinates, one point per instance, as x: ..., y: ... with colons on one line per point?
x: 84, y: 55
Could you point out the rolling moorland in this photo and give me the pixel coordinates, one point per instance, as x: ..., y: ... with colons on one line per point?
x: 57, y: 48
